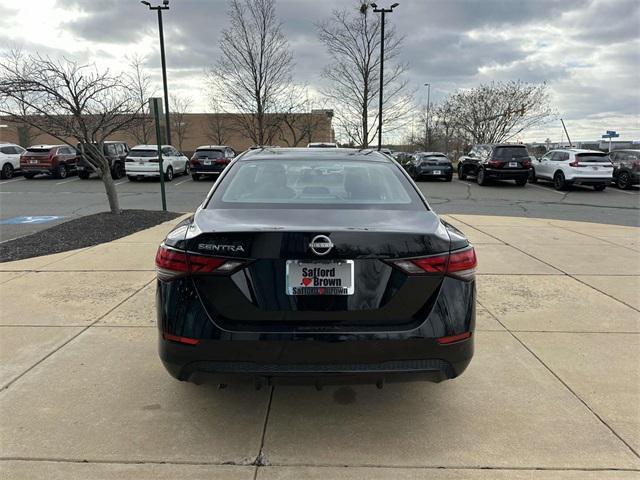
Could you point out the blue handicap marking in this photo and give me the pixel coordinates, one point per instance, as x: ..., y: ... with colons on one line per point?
x: 31, y: 220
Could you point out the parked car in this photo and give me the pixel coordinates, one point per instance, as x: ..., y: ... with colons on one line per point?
x: 55, y: 160
x: 115, y: 152
x: 142, y: 161
x: 9, y: 159
x: 573, y: 166
x: 210, y: 160
x: 258, y: 285
x: 322, y: 145
x: 501, y: 161
x: 626, y: 167
x: 431, y: 165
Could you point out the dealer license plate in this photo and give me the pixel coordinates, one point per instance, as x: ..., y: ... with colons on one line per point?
x: 207, y: 162
x: 513, y: 164
x: 436, y: 172
x: 33, y: 161
x: 330, y: 277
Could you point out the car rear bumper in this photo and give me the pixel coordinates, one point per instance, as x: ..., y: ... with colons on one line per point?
x: 142, y: 171
x: 37, y: 169
x: 435, y: 171
x: 356, y: 360
x: 590, y: 180
x: 207, y: 170
x: 511, y: 174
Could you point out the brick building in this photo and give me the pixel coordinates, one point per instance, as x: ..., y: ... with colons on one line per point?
x: 203, y: 129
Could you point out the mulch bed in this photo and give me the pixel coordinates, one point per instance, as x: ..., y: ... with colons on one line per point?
x: 82, y: 232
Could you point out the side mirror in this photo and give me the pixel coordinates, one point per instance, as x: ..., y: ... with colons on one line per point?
x: 472, y: 155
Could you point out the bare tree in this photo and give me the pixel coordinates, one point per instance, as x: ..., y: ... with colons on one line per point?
x: 298, y: 123
x: 143, y: 130
x: 254, y: 69
x: 498, y: 111
x: 76, y: 104
x: 218, y: 128
x: 352, y: 38
x: 180, y: 123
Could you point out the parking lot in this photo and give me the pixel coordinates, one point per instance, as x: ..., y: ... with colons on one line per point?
x: 552, y: 392
x: 73, y: 197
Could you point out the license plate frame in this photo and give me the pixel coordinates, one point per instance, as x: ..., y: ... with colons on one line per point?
x: 33, y: 161
x: 294, y: 277
x: 513, y: 164
x: 436, y: 172
x: 207, y: 163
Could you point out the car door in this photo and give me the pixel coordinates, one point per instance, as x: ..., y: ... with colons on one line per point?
x: 168, y: 159
x: 543, y: 166
x: 181, y: 160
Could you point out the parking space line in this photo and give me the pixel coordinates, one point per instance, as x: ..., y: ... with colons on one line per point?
x: 180, y: 183
x: 621, y: 191
x: 67, y: 181
x: 121, y: 182
x: 13, y: 180
x: 546, y: 189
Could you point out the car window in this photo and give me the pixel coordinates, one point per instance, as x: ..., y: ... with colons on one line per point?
x: 312, y: 183
x: 591, y: 157
x: 110, y: 149
x: 509, y: 153
x: 209, y: 154
x: 548, y: 156
x: 166, y: 151
x: 143, y: 153
x: 7, y: 150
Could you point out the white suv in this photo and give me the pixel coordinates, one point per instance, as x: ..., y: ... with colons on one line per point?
x: 9, y: 159
x: 573, y: 166
x: 142, y: 161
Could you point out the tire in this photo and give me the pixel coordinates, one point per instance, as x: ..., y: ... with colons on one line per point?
x: 532, y: 176
x: 623, y: 181
x: 448, y: 178
x: 187, y: 168
x: 7, y: 171
x: 29, y: 176
x: 461, y: 174
x: 118, y: 171
x: 480, y: 178
x: 559, y: 183
x: 83, y: 175
x: 195, y: 177
x: 61, y: 172
x: 599, y: 188
x: 521, y: 182
x: 168, y: 176
x: 132, y: 178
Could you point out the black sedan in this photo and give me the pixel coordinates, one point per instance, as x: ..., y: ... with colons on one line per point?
x: 317, y: 266
x: 430, y: 165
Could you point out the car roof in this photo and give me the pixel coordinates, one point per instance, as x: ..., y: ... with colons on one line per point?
x: 635, y: 150
x: 576, y: 150
x: 315, y: 154
x: 150, y: 147
x: 48, y: 146
x: 433, y: 154
x: 211, y: 147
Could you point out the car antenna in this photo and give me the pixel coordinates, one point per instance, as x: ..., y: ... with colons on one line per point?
x: 566, y: 133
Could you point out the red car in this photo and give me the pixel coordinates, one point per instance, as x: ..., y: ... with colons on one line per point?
x: 55, y: 160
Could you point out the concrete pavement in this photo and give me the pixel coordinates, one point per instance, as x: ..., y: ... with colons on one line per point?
x: 553, y: 391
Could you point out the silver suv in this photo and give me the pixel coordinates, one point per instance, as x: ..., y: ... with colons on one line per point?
x: 573, y: 166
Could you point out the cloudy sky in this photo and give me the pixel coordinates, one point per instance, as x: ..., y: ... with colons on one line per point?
x: 588, y: 51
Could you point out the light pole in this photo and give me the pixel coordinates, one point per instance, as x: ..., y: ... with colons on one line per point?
x: 382, y: 11
x: 427, y: 139
x: 159, y: 8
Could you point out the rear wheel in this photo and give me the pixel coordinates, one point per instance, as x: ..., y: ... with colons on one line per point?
x: 448, y: 178
x: 132, y: 178
x: 187, y: 168
x: 623, y: 181
x: 481, y: 178
x: 532, y: 176
x: 118, y: 171
x: 461, y: 174
x: 61, y: 171
x: 195, y: 177
x: 7, y: 171
x: 559, y: 183
x: 29, y: 176
x: 521, y: 182
x: 83, y: 175
x: 168, y: 176
x: 599, y: 188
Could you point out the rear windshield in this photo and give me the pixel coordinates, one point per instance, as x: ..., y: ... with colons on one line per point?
x: 38, y: 150
x: 434, y: 157
x: 592, y: 157
x: 143, y: 153
x: 509, y: 153
x: 213, y: 154
x: 315, y: 184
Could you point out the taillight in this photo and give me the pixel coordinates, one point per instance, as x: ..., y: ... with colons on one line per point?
x: 194, y: 160
x: 575, y: 163
x: 178, y: 339
x: 526, y: 163
x: 172, y: 264
x: 223, y: 161
x: 461, y: 264
x: 494, y: 163
x: 453, y: 338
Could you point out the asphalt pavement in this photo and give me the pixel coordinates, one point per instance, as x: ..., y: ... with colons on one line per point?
x: 72, y: 197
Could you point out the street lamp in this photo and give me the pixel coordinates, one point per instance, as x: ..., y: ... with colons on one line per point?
x: 382, y: 11
x: 159, y: 8
x: 427, y: 139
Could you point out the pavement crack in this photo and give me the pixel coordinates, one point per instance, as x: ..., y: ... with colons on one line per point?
x: 261, y: 459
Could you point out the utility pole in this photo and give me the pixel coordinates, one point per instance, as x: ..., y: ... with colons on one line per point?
x: 382, y: 11
x: 566, y: 133
x: 427, y: 135
x: 159, y: 8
